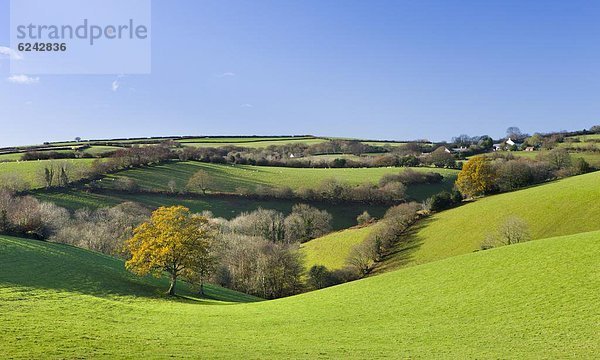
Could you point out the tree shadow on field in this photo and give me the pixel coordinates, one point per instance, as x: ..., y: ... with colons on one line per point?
x: 33, y: 265
x: 403, y: 252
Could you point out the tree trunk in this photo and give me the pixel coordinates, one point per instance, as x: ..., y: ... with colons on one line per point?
x: 201, y: 292
x: 173, y: 283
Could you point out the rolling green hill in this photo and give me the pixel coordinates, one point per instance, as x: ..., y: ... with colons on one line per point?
x: 563, y: 207
x: 333, y: 249
x: 532, y: 300
x: 228, y: 178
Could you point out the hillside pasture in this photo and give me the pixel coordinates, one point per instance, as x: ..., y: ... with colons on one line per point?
x: 532, y: 300
x: 232, y: 178
x: 563, y: 207
x: 30, y: 172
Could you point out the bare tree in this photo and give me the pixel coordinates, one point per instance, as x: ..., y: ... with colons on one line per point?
x: 306, y: 223
x: 362, y: 258
x: 513, y: 230
x: 201, y: 180
x: 172, y: 186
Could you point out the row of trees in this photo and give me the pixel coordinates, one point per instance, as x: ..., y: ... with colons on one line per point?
x: 389, y: 233
x: 390, y: 189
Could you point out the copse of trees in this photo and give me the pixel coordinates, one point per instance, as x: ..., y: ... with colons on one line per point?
x: 29, y: 217
x: 444, y: 200
x: 256, y: 266
x: 304, y: 223
x: 486, y: 175
x: 104, y: 230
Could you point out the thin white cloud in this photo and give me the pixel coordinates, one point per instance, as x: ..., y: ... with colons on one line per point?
x: 226, y: 74
x: 23, y: 79
x: 247, y: 105
x: 10, y: 53
x: 116, y: 84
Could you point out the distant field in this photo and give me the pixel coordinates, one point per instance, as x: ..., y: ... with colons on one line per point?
x: 99, y: 149
x: 11, y: 157
x: 592, y: 158
x: 250, y: 143
x: 563, y: 207
x: 344, y: 215
x: 230, y: 140
x: 93, y: 150
x: 229, y: 178
x: 533, y: 300
x: 584, y: 138
x: 30, y: 171
x: 333, y: 250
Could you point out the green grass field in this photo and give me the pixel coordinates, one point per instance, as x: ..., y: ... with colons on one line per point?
x: 30, y: 171
x: 344, y: 215
x: 564, y: 207
x: 11, y: 157
x: 333, y: 249
x: 229, y: 178
x: 95, y: 151
x: 534, y: 300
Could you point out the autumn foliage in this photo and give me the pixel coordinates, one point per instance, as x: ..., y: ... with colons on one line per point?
x: 476, y: 177
x: 173, y: 241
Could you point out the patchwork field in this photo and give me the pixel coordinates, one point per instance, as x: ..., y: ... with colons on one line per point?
x: 229, y: 178
x: 564, y: 207
x: 532, y: 300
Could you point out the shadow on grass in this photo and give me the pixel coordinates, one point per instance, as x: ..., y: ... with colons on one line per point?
x: 403, y: 252
x: 31, y: 265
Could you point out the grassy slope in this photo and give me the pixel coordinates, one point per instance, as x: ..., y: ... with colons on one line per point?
x: 30, y: 171
x: 537, y: 299
x: 344, y: 215
x: 563, y: 207
x: 228, y: 178
x: 332, y: 250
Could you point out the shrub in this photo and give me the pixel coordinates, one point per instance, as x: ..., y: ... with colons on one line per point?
x: 364, y: 218
x: 126, y: 184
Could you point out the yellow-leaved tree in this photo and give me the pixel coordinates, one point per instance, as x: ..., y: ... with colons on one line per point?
x: 476, y: 177
x: 174, y: 241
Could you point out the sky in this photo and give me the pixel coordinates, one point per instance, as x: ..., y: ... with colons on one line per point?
x: 393, y: 70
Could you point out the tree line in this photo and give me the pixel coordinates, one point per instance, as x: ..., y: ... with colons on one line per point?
x: 484, y: 175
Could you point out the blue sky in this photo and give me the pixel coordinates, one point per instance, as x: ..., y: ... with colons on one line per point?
x: 368, y: 69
